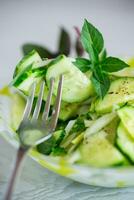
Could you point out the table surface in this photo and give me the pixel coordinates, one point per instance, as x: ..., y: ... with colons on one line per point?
x: 39, y: 21
x: 37, y: 183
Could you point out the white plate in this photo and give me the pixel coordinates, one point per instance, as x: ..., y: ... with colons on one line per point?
x: 108, y: 177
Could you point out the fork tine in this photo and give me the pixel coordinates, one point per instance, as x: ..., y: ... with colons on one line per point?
x: 39, y: 102
x: 48, y: 101
x: 29, y: 103
x: 56, y: 108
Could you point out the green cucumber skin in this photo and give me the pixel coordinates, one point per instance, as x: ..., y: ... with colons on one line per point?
x: 21, y: 76
x: 76, y: 86
x: 127, y: 141
x: 27, y: 60
x: 126, y: 115
x: 89, y: 152
x: 130, y: 161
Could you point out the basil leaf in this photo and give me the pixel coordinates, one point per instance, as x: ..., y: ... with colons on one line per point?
x: 83, y: 64
x: 64, y: 42
x: 78, y: 47
x: 112, y: 64
x: 101, y: 83
x: 44, y: 53
x: 91, y: 38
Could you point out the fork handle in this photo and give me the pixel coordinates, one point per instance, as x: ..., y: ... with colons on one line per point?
x: 20, y: 155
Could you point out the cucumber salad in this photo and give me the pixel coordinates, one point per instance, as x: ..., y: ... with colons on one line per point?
x: 96, y: 121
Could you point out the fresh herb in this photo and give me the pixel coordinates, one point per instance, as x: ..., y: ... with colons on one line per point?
x: 78, y: 46
x: 83, y: 64
x: 100, y: 65
x: 58, y: 151
x: 101, y: 83
x: 79, y: 126
x: 43, y: 52
x: 102, y: 55
x: 59, y: 135
x: 64, y: 42
x: 64, y: 46
x: 111, y: 64
x: 46, y: 147
x: 52, y: 144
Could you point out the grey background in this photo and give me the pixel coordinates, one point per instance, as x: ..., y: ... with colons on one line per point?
x: 39, y: 21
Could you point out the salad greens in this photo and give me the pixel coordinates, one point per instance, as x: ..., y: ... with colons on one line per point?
x: 95, y: 125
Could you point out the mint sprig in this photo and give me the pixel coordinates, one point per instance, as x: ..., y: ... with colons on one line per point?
x: 83, y: 64
x: 98, y: 62
x: 112, y: 64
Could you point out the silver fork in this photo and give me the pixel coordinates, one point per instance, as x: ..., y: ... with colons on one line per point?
x: 32, y: 130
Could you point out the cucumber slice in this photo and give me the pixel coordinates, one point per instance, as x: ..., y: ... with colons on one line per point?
x: 99, y: 152
x: 126, y: 115
x: 68, y: 110
x: 120, y: 92
x: 76, y: 86
x: 17, y: 109
x: 25, y: 79
x: 125, y: 142
x: 32, y: 57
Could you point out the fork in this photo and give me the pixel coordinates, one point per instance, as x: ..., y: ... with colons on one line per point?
x: 32, y: 130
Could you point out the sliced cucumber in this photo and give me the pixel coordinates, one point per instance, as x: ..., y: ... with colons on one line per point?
x: 32, y: 57
x: 125, y: 142
x: 68, y: 110
x: 27, y: 77
x: 99, y: 152
x: 76, y: 86
x: 126, y: 115
x: 17, y: 109
x: 26, y: 83
x: 120, y: 92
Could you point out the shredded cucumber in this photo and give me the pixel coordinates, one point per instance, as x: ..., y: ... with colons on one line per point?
x: 99, y: 124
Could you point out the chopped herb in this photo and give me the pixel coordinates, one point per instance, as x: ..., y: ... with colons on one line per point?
x: 79, y: 125
x: 46, y: 147
x: 58, y: 151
